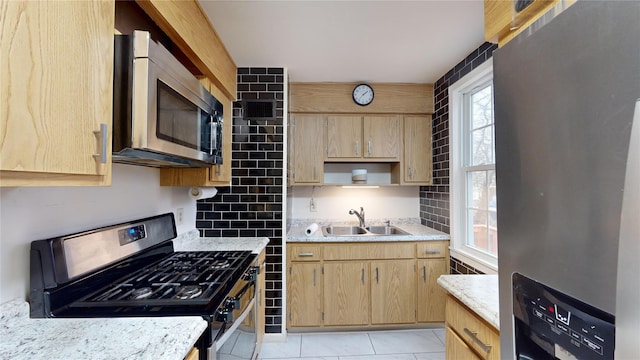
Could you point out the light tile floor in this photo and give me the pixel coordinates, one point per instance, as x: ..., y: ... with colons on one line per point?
x: 423, y: 344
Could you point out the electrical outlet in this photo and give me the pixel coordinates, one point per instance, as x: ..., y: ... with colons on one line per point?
x: 179, y: 216
x: 312, y: 205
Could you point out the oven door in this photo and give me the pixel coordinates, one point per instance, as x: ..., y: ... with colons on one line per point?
x: 236, y: 336
x: 172, y: 111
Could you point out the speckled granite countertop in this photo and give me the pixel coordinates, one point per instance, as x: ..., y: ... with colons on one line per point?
x: 191, y: 241
x: 136, y: 338
x: 116, y: 338
x: 478, y: 292
x: 418, y: 232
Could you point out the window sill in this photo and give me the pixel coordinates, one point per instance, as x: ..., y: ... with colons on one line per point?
x: 465, y: 257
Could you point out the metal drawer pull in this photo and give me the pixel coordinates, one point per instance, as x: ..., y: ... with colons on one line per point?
x: 474, y: 337
x: 103, y: 134
x: 305, y: 254
x: 363, y: 276
x: 431, y: 252
x: 424, y: 273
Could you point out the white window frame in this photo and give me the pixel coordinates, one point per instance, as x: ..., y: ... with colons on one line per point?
x: 457, y: 180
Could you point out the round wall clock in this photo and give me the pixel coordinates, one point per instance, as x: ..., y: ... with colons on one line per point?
x: 363, y: 94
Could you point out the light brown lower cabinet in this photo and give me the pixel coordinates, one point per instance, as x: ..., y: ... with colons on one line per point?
x: 365, y: 284
x: 479, y: 337
x: 393, y: 292
x: 456, y: 348
x: 193, y: 354
x: 304, y: 294
x: 346, y: 293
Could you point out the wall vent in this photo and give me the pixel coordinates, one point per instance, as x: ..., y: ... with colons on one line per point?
x: 259, y: 109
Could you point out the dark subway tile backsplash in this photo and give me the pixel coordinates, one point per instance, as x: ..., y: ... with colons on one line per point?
x: 252, y: 206
x: 434, y: 200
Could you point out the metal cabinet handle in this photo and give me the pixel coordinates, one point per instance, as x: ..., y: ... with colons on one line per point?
x: 410, y: 172
x: 305, y: 254
x: 474, y: 336
x: 314, y: 172
x: 424, y: 273
x: 377, y: 278
x: 369, y: 147
x: 314, y: 277
x: 357, y: 148
x: 362, y: 277
x: 103, y: 135
x: 432, y: 252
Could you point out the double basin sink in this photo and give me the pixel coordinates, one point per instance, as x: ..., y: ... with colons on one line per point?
x: 340, y: 230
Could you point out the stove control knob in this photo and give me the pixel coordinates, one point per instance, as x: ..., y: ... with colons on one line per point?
x: 251, y: 274
x: 224, y: 315
x: 232, y: 303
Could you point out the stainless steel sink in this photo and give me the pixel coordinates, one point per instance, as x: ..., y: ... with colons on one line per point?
x: 334, y: 230
x: 386, y: 230
x: 346, y: 230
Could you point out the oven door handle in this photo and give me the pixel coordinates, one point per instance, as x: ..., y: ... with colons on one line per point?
x: 242, y: 291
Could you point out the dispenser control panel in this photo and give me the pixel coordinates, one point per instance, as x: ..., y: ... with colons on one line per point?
x: 548, y: 320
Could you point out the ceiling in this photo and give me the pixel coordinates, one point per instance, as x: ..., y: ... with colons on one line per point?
x: 350, y: 41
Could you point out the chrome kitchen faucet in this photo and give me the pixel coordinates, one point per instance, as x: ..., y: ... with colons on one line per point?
x: 360, y: 215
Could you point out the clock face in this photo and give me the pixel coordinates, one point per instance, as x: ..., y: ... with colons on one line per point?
x: 363, y: 94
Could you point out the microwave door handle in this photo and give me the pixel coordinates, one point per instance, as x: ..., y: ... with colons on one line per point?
x: 213, y: 135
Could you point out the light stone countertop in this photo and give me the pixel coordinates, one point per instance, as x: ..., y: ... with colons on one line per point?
x: 418, y: 232
x: 95, y: 338
x: 478, y: 292
x: 191, y: 241
x: 166, y: 337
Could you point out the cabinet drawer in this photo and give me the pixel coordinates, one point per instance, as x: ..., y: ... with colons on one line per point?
x: 457, y: 348
x: 304, y: 252
x: 369, y: 251
x: 432, y: 249
x: 478, y: 335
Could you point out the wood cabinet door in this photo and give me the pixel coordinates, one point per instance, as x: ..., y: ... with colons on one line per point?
x: 346, y: 293
x: 344, y: 137
x: 393, y: 292
x: 381, y: 137
x: 456, y: 349
x: 304, y: 293
x: 56, y: 91
x: 307, y: 143
x: 431, y: 297
x: 418, y: 160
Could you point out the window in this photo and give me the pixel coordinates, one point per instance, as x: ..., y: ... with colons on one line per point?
x: 474, y: 230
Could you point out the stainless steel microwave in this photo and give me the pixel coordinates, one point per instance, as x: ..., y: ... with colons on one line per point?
x: 162, y: 115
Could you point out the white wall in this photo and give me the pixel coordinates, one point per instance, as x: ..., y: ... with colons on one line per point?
x: 334, y: 202
x: 28, y: 214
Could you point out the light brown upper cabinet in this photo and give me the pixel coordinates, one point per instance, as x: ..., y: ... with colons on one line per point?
x: 56, y: 93
x: 363, y: 138
x: 502, y: 22
x: 417, y: 163
x: 306, y: 142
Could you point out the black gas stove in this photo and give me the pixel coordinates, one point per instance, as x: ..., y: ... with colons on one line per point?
x: 131, y: 269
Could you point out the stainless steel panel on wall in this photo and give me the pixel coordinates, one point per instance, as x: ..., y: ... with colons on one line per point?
x: 565, y: 98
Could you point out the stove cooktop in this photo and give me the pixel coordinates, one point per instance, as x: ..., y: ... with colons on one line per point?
x: 181, y: 279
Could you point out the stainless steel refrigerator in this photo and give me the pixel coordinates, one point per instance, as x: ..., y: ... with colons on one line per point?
x: 567, y: 120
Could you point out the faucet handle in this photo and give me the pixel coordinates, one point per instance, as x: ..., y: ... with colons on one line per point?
x: 388, y: 222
